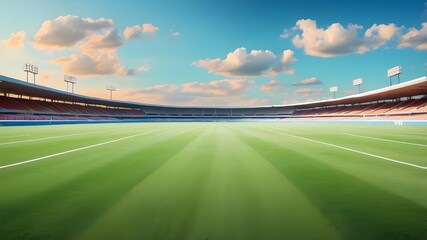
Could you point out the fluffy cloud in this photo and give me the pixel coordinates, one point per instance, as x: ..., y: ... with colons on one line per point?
x: 96, y: 43
x: 376, y: 36
x: 175, y: 34
x: 229, y: 92
x: 415, y: 38
x: 84, y: 65
x: 137, y: 31
x: 222, y: 88
x: 66, y: 31
x: 87, y: 65
x: 108, y: 40
x: 240, y: 63
x: 286, y: 61
x: 122, y: 71
x: 286, y: 33
x: 308, y: 81
x: 337, y: 40
x: 15, y: 41
x: 308, y: 90
x: 272, y: 86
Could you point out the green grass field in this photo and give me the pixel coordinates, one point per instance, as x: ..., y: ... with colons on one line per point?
x: 214, y: 181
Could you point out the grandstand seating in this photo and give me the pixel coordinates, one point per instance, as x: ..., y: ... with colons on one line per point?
x: 43, y: 110
x: 27, y: 109
x: 368, y: 109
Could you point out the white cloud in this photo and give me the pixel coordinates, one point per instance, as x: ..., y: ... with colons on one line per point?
x: 122, y: 71
x: 175, y: 33
x: 222, y: 88
x: 84, y: 65
x: 240, y: 63
x: 337, y: 40
x: 110, y: 40
x: 136, y: 32
x: 287, y: 33
x: 66, y: 31
x: 272, y: 86
x: 287, y: 59
x: 15, y: 41
x: 415, y: 38
x: 308, y: 81
x: 133, y: 32
x: 149, y: 28
x: 95, y: 43
x: 377, y: 35
x: 228, y: 92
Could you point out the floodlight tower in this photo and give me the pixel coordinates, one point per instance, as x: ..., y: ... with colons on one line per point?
x: 393, y: 72
x: 29, y: 68
x: 111, y: 88
x: 70, y: 80
x: 358, y: 82
x: 333, y: 90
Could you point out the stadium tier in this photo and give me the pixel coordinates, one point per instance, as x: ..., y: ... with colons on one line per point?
x: 20, y: 100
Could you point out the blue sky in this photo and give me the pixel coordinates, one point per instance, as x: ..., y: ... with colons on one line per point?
x: 215, y: 53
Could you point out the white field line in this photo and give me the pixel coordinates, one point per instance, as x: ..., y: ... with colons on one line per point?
x: 73, y: 150
x: 356, y: 151
x: 47, y: 138
x: 387, y: 140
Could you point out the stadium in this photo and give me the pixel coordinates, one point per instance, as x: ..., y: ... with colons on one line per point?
x: 213, y: 120
x: 339, y: 167
x: 404, y: 103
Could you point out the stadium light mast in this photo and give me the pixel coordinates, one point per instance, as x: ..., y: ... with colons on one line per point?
x: 393, y: 72
x: 111, y: 88
x: 333, y: 90
x: 358, y: 82
x: 29, y: 68
x: 70, y: 80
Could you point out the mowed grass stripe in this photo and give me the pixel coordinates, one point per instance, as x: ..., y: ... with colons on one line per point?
x: 357, y: 208
x: 413, y: 156
x: 218, y: 181
x: 46, y: 131
x: 223, y: 193
x: 401, y: 180
x: 31, y: 178
x: 49, y: 138
x: 72, y: 150
x: 387, y: 140
x: 413, y: 134
x: 32, y: 150
x: 246, y: 198
x: 69, y: 208
x: 14, y: 136
x: 150, y: 210
x: 356, y: 151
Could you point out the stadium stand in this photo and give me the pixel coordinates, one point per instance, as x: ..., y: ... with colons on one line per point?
x: 20, y: 100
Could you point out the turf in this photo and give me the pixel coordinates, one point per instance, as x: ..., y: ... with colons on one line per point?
x: 213, y: 181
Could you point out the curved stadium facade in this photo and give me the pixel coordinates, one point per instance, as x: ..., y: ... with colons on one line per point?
x: 21, y: 100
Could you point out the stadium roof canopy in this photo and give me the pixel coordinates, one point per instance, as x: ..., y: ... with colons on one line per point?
x: 18, y: 87
x: 406, y: 89
x: 411, y: 88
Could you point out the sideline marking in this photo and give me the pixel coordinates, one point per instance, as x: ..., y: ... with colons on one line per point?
x: 387, y: 140
x: 73, y: 150
x: 353, y: 150
x: 40, y: 139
